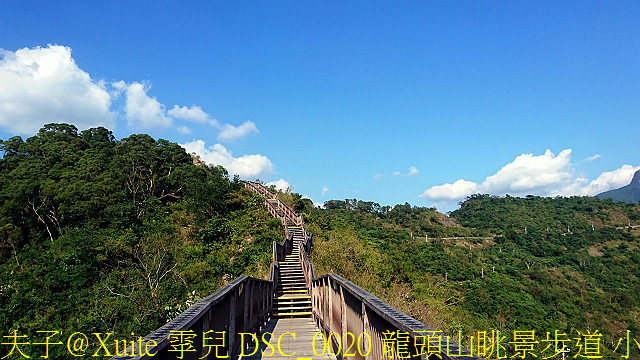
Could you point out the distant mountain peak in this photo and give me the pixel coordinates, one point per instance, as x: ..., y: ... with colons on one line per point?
x: 635, y: 182
x: 629, y: 193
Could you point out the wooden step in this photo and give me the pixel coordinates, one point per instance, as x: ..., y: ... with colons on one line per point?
x: 306, y: 313
x: 285, y: 309
x: 307, y: 297
x: 292, y: 289
x: 291, y: 302
x: 292, y: 306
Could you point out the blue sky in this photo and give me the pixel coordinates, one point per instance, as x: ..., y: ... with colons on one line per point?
x: 419, y: 102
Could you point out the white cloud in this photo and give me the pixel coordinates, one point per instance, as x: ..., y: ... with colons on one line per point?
x: 45, y: 85
x: 247, y: 166
x: 194, y: 113
x: 143, y: 111
x: 324, y: 191
x: 378, y: 176
x: 282, y: 185
x: 591, y: 158
x: 457, y: 190
x: 412, y: 172
x: 184, y: 130
x: 231, y: 133
x: 227, y: 133
x: 542, y: 175
x: 611, y: 180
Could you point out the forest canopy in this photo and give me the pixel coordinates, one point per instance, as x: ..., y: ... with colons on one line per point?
x: 537, y: 264
x: 91, y: 241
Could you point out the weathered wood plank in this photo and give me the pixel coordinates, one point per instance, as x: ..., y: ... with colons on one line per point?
x: 281, y: 331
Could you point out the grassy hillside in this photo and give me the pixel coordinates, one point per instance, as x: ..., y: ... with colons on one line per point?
x: 542, y: 264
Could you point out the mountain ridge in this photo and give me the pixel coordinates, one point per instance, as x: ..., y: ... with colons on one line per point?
x: 628, y: 193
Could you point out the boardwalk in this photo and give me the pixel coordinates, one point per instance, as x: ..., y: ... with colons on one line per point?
x: 290, y: 349
x: 281, y: 314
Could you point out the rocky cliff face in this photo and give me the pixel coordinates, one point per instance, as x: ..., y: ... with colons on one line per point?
x: 628, y: 193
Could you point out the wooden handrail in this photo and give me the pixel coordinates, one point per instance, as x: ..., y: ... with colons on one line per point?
x: 340, y: 306
x: 242, y: 306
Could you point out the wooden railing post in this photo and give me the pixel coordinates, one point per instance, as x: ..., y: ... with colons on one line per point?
x: 247, y: 307
x: 365, y: 326
x: 343, y: 317
x: 330, y: 291
x: 232, y: 325
x: 206, y: 326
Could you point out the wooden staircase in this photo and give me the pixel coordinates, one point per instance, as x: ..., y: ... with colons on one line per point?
x: 293, y: 298
x: 298, y: 237
x: 276, y: 206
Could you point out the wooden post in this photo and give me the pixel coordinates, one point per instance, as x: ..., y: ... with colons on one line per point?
x: 232, y: 325
x: 329, y: 285
x: 249, y: 301
x: 365, y: 328
x: 206, y: 326
x: 343, y: 318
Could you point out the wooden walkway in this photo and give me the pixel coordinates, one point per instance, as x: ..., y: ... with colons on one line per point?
x: 290, y: 349
x: 289, y: 299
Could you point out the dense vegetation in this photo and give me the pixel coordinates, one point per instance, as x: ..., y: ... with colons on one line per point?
x: 543, y: 264
x: 87, y: 246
